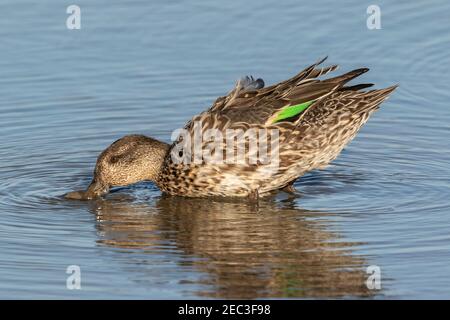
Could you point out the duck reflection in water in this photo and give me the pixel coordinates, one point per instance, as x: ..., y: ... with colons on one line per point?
x: 274, y: 250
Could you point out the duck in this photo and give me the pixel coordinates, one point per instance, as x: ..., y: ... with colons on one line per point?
x: 311, y: 118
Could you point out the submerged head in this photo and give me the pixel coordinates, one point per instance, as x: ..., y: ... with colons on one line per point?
x: 129, y: 160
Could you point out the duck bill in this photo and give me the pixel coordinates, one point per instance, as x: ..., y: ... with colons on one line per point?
x: 95, y: 190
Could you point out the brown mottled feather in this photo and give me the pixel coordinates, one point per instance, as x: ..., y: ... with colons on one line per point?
x: 311, y: 141
x: 306, y: 141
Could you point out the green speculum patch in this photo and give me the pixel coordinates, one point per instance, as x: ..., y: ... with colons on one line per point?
x: 292, y: 111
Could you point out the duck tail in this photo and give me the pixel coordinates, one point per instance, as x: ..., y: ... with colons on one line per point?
x: 374, y: 98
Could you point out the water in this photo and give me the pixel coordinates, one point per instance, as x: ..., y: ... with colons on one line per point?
x: 147, y: 68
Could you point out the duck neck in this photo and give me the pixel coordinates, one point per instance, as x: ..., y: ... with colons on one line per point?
x: 158, y: 157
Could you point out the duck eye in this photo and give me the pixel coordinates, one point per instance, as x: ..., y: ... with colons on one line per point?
x: 180, y: 153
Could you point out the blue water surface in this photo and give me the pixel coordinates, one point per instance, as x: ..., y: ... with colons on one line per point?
x: 147, y: 67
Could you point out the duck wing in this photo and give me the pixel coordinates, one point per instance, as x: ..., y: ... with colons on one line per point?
x: 249, y: 102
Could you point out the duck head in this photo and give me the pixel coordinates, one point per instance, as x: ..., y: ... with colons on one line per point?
x: 129, y: 160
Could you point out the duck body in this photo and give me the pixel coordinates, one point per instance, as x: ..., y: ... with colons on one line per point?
x: 313, y: 120
x: 306, y: 142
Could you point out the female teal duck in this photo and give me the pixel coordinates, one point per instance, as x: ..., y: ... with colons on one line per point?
x: 310, y: 121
